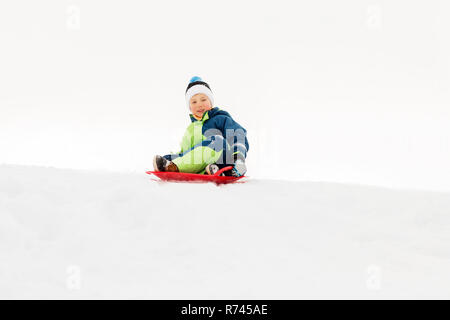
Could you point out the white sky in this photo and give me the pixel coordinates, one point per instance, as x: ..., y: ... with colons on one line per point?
x: 349, y: 91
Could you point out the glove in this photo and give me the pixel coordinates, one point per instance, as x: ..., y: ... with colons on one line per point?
x: 239, y: 168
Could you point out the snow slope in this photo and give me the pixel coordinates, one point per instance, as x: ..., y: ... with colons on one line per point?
x: 80, y: 234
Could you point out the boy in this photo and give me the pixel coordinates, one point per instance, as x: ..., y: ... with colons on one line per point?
x: 212, y: 141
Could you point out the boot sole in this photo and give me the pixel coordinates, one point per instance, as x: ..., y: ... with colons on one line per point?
x: 155, y: 163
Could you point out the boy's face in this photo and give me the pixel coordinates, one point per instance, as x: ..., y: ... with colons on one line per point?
x: 199, y: 104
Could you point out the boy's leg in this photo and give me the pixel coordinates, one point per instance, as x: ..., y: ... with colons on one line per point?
x: 171, y: 157
x: 238, y: 151
x: 239, y: 154
x: 212, y: 150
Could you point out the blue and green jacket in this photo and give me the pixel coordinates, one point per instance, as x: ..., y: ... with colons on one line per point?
x: 216, y: 138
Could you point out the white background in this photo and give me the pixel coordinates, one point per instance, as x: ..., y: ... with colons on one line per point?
x: 342, y: 91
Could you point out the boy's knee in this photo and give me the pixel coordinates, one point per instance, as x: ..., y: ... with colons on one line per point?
x: 171, y: 157
x: 239, y: 148
x: 217, y: 143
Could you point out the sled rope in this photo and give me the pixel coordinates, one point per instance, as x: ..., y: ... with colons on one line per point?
x: 223, y: 170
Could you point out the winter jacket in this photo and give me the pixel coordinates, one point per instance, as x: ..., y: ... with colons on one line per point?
x: 216, y: 122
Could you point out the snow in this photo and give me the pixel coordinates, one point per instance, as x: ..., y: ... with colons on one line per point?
x: 73, y: 234
x: 345, y: 95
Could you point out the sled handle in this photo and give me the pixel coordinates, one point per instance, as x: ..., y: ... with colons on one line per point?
x: 223, y: 170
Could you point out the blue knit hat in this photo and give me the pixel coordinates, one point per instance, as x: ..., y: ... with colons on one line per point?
x: 197, y: 85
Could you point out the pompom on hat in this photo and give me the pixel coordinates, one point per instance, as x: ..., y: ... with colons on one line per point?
x: 197, y: 85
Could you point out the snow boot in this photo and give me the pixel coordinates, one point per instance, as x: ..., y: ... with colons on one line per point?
x: 212, y: 168
x: 239, y: 168
x: 164, y: 165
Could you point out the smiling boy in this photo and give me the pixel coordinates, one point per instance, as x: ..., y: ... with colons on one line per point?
x: 212, y: 141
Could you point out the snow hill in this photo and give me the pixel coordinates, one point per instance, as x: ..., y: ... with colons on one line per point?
x: 79, y: 234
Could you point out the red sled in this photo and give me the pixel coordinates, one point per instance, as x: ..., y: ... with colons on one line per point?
x: 195, y: 177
